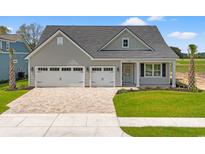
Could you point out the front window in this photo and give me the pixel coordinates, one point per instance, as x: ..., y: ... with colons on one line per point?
x: 157, y: 69
x: 153, y: 70
x: 148, y: 70
x: 1, y: 45
x: 125, y: 43
x: 7, y: 45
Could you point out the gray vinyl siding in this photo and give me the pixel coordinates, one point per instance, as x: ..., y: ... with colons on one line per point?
x: 134, y: 43
x: 156, y: 81
x: 67, y: 55
x: 70, y: 55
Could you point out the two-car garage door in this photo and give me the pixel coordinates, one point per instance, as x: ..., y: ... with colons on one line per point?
x: 62, y: 76
x: 74, y: 76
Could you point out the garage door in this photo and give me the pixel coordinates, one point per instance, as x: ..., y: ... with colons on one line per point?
x: 59, y: 76
x: 102, y: 76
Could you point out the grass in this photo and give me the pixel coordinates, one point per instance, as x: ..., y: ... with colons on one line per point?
x: 183, y: 65
x: 160, y: 103
x: 8, y: 96
x: 164, y: 131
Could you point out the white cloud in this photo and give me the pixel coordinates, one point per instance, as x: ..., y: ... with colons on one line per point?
x: 11, y: 29
x: 182, y: 35
x: 134, y: 21
x: 155, y: 18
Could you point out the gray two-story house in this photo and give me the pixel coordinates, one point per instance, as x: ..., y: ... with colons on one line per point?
x: 98, y: 56
x: 21, y: 50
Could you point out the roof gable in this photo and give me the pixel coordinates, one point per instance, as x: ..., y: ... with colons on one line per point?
x: 135, y: 43
x: 51, y: 38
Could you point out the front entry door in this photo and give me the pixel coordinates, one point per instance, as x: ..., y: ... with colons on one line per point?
x: 128, y: 74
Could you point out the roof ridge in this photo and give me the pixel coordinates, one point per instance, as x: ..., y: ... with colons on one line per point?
x: 101, y: 26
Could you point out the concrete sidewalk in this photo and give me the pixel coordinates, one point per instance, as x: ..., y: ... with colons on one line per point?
x: 82, y: 125
x: 166, y: 122
x: 60, y: 125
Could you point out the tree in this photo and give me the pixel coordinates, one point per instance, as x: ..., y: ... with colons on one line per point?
x: 192, y: 50
x: 4, y: 30
x: 31, y: 33
x: 177, y: 51
x: 12, y: 78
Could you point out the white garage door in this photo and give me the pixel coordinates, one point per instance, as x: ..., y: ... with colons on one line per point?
x: 59, y: 76
x: 102, y: 76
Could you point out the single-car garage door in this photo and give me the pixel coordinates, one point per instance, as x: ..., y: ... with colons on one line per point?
x: 59, y: 76
x: 102, y: 76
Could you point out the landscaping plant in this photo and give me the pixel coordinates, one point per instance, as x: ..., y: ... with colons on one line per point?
x: 191, y: 75
x: 12, y: 78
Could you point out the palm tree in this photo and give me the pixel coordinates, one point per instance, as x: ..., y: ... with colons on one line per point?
x: 12, y: 79
x: 192, y: 50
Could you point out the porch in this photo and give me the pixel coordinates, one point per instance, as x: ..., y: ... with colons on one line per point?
x: 148, y: 73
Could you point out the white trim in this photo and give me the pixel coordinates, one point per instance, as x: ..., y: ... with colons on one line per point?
x: 121, y: 73
x: 53, y: 36
x: 152, y: 70
x: 174, y: 74
x: 1, y: 39
x: 60, y: 66
x: 103, y: 66
x: 137, y: 74
x: 16, y: 53
x: 142, y: 59
x: 29, y: 69
x: 125, y: 38
x: 125, y: 29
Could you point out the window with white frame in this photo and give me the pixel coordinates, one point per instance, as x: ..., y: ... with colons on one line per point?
x: 125, y: 42
x: 7, y: 46
x: 1, y: 46
x: 15, y: 61
x: 153, y: 70
x: 148, y: 70
x: 59, y: 40
x: 157, y: 69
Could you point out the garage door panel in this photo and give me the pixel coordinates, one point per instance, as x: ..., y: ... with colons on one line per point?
x: 102, y: 76
x: 60, y: 76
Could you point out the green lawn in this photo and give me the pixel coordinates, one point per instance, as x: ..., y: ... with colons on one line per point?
x: 164, y: 131
x: 160, y: 103
x: 8, y: 96
x: 183, y: 65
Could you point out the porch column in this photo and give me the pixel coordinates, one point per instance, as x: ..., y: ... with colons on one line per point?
x: 138, y: 74
x: 173, y: 74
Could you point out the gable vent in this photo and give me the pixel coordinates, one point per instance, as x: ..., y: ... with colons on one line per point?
x: 59, y: 40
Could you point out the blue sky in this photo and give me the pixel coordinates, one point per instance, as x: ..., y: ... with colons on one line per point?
x: 177, y: 31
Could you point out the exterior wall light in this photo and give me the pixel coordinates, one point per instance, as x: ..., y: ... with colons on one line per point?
x: 118, y: 69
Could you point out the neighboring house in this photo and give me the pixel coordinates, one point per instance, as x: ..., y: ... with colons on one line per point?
x: 101, y: 56
x: 21, y: 50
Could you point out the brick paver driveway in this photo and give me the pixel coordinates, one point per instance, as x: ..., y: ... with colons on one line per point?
x: 65, y: 100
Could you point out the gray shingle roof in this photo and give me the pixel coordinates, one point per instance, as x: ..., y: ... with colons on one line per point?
x: 11, y: 37
x: 93, y: 38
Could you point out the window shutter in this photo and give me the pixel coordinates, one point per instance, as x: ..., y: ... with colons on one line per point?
x: 142, y: 69
x: 164, y: 70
